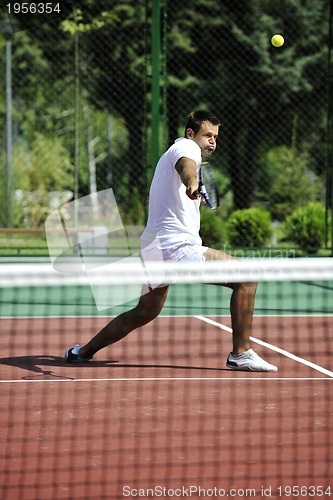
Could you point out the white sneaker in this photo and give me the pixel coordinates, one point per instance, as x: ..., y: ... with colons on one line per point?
x: 249, y: 361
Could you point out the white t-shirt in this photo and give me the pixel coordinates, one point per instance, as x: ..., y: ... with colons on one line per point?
x: 173, y: 218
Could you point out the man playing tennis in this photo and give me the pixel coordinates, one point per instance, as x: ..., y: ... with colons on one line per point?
x: 172, y: 233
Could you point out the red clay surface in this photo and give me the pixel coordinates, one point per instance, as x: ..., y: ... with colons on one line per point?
x: 160, y: 410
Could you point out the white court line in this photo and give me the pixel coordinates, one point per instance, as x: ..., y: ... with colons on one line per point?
x: 164, y: 379
x: 270, y: 346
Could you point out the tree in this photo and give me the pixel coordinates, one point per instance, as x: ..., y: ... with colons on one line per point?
x: 265, y: 96
x: 113, y: 45
x: 290, y: 183
x: 41, y: 169
x: 218, y: 57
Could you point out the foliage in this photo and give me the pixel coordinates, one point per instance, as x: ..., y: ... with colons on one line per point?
x: 212, y: 228
x: 249, y: 228
x: 306, y: 227
x: 37, y: 173
x: 134, y: 214
x: 265, y: 96
x: 272, y: 102
x: 76, y: 23
x: 289, y: 182
x: 46, y: 166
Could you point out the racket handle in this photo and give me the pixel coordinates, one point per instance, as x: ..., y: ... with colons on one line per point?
x: 203, y: 193
x: 198, y: 191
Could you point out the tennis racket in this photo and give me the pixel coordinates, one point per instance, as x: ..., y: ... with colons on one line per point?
x: 208, y: 188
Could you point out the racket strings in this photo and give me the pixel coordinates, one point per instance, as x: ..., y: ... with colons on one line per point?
x: 208, y: 187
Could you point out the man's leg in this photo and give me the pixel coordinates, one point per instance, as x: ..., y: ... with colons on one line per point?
x: 241, y: 305
x: 148, y: 308
x: 241, y: 308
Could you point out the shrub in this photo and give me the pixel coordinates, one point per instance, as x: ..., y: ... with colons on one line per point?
x: 250, y: 227
x: 212, y: 228
x: 289, y: 182
x: 306, y: 226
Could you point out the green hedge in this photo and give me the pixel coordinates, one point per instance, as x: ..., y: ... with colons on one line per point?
x: 212, y: 228
x: 306, y: 226
x: 250, y: 227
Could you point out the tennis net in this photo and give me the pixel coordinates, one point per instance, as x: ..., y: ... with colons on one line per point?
x: 159, y: 414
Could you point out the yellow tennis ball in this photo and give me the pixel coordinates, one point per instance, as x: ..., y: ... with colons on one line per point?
x: 277, y: 40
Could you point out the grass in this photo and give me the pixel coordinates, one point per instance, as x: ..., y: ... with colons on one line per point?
x: 17, y: 242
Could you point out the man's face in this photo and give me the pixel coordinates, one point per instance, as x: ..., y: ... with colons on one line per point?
x: 205, y: 138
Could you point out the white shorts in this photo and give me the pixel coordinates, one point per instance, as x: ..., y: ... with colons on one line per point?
x: 153, y: 250
x: 175, y: 247
x: 185, y: 253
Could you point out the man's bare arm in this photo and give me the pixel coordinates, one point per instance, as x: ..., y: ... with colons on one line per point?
x: 186, y: 168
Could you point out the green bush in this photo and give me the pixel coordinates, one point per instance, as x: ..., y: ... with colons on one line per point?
x: 212, y: 228
x: 289, y: 182
x: 250, y: 227
x: 306, y: 226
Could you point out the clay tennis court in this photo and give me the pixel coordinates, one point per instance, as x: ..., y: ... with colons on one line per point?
x: 160, y: 410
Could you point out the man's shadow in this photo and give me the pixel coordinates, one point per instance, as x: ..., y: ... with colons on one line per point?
x: 43, y: 365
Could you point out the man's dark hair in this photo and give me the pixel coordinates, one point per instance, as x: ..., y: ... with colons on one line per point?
x: 196, y: 119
